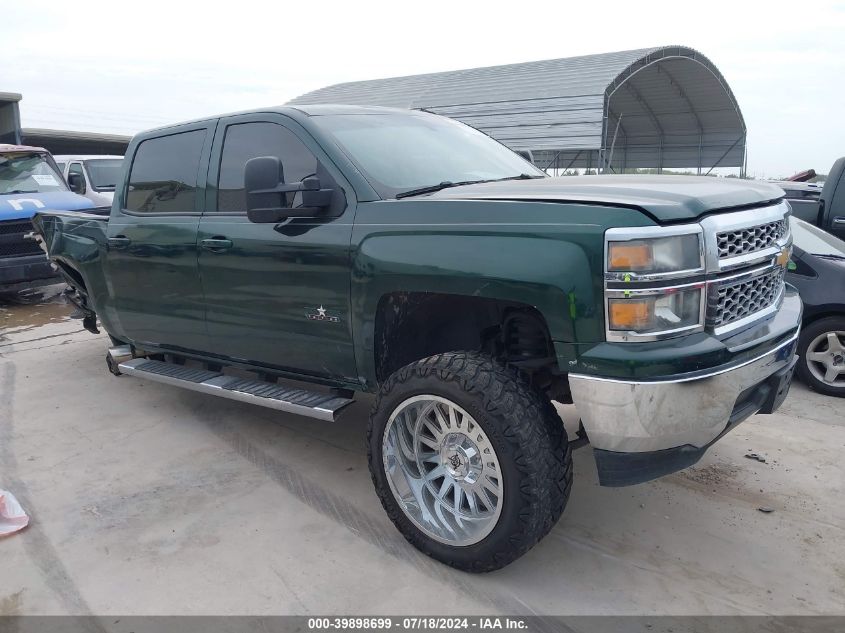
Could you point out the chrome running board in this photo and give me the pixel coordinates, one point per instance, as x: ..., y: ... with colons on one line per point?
x: 266, y: 394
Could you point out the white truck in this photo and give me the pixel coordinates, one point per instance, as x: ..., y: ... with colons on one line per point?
x: 92, y: 176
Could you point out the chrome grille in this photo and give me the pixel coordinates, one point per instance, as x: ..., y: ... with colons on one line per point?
x: 12, y: 240
x: 734, y: 301
x: 751, y: 239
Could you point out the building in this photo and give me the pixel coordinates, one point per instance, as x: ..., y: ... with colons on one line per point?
x: 57, y: 141
x: 664, y: 107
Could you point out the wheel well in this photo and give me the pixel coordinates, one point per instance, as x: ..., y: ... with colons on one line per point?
x: 71, y: 275
x: 821, y: 315
x: 414, y: 325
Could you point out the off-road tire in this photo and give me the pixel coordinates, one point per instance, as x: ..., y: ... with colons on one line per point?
x: 527, y: 434
x: 808, y: 334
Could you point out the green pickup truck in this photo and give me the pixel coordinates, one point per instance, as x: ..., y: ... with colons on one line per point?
x: 404, y: 254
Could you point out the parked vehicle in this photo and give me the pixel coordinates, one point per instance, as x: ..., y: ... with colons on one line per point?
x: 805, y: 191
x: 817, y: 269
x: 29, y: 181
x: 408, y: 255
x: 94, y: 177
x: 822, y: 206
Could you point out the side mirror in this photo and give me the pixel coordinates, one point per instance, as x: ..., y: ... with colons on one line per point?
x: 267, y: 192
x: 76, y: 183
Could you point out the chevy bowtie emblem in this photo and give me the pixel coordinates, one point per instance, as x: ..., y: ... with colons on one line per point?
x: 321, y: 314
x: 783, y: 256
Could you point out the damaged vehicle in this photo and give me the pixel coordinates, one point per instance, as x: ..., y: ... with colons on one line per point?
x: 404, y: 254
x: 29, y: 181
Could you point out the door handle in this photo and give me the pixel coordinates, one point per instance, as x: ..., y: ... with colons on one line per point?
x: 118, y: 242
x: 839, y: 220
x: 217, y: 244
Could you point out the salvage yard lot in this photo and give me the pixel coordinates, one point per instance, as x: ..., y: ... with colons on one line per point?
x: 150, y: 499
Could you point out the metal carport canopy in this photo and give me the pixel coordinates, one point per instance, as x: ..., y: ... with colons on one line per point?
x: 657, y: 107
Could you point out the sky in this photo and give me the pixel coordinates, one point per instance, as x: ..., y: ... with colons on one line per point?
x: 124, y: 66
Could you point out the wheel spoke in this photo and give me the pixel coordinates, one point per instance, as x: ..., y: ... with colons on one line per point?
x: 473, y: 504
x: 444, y: 523
x: 832, y: 373
x: 444, y: 487
x: 817, y: 357
x: 491, y: 485
x: 441, y: 419
x: 430, y: 442
x: 436, y: 472
x: 459, y: 494
x: 485, y: 499
x: 404, y: 446
x: 833, y: 342
x: 453, y: 418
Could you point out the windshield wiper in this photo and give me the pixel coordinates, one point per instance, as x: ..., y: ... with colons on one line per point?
x: 432, y: 188
x: 520, y: 177
x: 20, y: 191
x: 446, y: 184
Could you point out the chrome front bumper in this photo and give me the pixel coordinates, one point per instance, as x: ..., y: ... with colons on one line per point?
x: 643, y: 416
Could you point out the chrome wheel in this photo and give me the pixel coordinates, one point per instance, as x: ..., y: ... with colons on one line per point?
x: 826, y: 358
x: 443, y: 470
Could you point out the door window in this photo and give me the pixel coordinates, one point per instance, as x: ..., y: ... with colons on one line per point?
x: 163, y: 178
x: 250, y: 140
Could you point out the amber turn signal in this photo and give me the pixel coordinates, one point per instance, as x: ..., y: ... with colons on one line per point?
x: 630, y: 256
x: 630, y: 314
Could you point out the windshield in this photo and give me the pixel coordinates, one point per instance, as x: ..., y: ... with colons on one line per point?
x: 28, y: 172
x: 104, y: 172
x: 813, y: 240
x: 401, y: 152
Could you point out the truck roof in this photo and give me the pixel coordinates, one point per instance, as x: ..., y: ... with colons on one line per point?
x: 6, y: 147
x: 72, y: 157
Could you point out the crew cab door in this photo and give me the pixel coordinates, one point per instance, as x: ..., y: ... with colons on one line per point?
x: 152, y: 240
x: 276, y: 295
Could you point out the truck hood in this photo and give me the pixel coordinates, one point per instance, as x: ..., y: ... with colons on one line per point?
x: 666, y: 198
x: 22, y: 206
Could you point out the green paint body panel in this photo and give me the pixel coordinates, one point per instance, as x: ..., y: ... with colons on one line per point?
x: 539, y: 244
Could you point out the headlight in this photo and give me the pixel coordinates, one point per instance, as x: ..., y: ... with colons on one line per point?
x: 657, y: 311
x: 641, y: 302
x: 654, y: 255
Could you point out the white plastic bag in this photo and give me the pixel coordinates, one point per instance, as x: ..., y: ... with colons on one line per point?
x: 12, y: 516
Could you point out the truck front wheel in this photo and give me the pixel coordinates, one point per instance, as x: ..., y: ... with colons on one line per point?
x: 470, y: 461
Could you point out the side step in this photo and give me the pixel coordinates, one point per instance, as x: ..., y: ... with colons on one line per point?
x: 265, y: 394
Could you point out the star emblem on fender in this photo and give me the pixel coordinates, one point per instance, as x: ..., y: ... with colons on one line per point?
x: 321, y: 314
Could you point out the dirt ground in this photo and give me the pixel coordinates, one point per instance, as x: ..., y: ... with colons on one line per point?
x: 148, y: 499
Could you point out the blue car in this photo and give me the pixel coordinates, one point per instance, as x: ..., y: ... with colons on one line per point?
x: 29, y: 182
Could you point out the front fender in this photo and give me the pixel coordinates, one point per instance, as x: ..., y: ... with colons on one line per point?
x: 77, y: 241
x: 550, y: 263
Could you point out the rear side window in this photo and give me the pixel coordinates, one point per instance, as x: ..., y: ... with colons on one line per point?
x: 164, y: 174
x: 250, y: 140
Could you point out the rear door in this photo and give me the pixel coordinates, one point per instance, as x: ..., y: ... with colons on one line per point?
x: 152, y: 240
x: 276, y: 295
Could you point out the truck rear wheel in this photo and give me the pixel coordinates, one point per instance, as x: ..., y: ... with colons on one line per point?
x: 471, y: 463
